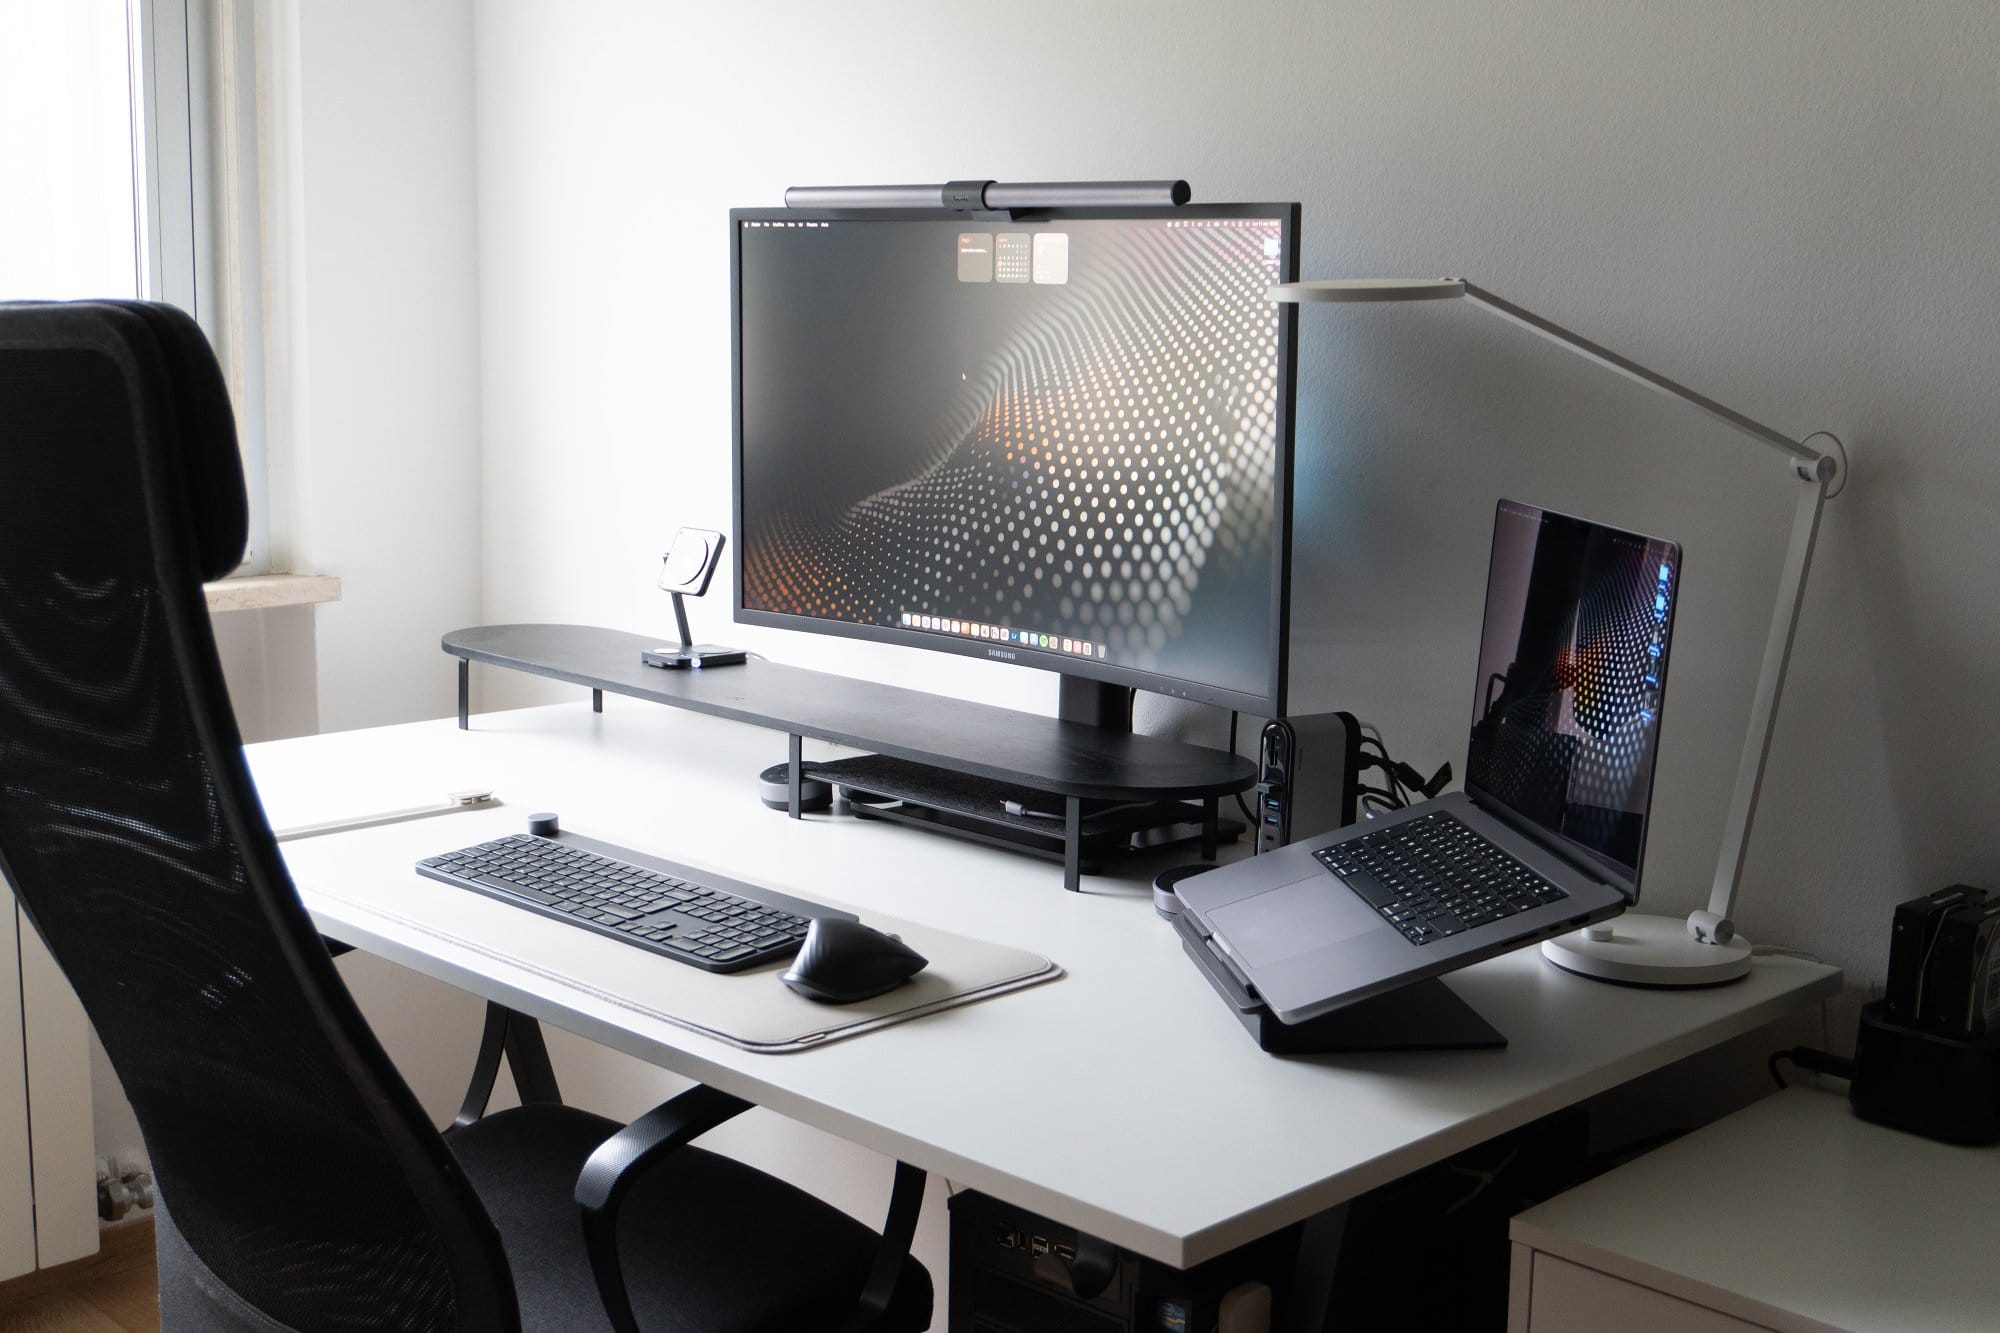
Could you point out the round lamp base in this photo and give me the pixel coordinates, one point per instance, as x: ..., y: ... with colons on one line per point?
x: 1649, y: 951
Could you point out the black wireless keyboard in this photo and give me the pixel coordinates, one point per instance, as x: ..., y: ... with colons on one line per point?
x: 663, y: 913
x: 1434, y: 877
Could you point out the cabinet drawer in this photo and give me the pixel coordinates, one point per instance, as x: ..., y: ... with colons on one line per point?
x: 1567, y: 1298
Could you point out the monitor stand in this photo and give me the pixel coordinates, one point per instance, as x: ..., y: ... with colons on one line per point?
x: 1095, y: 703
x: 1097, y: 790
x: 1084, y: 835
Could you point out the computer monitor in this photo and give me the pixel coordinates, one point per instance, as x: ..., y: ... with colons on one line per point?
x: 1058, y: 438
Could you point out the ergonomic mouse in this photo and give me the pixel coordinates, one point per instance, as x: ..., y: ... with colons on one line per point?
x: 843, y: 961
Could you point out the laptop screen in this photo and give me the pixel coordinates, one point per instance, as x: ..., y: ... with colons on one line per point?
x: 1572, y: 669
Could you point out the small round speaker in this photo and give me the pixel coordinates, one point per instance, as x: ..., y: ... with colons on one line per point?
x: 1166, y: 898
x: 774, y: 789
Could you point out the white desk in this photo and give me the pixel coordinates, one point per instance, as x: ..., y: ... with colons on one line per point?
x: 1123, y: 1099
x: 1791, y: 1214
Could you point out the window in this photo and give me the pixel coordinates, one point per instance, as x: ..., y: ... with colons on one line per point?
x: 128, y: 158
x: 70, y: 226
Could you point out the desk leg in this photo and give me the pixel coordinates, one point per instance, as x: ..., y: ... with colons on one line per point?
x: 597, y: 701
x: 796, y: 777
x: 1073, y: 843
x: 1311, y: 1295
x: 1211, y: 828
x: 464, y: 694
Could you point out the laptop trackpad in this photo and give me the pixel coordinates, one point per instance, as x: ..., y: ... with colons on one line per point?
x: 1292, y: 919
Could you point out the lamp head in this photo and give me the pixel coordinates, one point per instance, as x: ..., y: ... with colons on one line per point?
x: 1369, y: 289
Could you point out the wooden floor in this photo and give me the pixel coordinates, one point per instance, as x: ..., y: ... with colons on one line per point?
x: 116, y: 1290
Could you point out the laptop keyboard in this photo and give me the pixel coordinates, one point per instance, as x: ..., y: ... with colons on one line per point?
x: 664, y: 914
x: 1433, y: 877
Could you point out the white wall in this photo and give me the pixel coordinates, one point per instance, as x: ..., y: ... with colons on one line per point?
x: 384, y: 465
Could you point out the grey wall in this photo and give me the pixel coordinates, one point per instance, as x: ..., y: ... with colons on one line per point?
x: 380, y: 465
x: 1795, y: 207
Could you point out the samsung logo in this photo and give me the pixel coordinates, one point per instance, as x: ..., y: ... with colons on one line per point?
x: 1000, y: 653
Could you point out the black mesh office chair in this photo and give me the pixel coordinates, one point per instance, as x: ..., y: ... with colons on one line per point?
x: 301, y: 1185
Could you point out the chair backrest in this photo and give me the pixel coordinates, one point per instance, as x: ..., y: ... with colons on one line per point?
x: 295, y: 1163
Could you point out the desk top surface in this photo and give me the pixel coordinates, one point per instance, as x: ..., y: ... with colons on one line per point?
x: 1124, y: 1098
x: 1794, y: 1214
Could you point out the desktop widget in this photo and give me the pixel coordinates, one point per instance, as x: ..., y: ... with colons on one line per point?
x: 1054, y: 643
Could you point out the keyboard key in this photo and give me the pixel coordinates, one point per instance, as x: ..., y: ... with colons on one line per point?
x: 514, y: 888
x: 1433, y: 877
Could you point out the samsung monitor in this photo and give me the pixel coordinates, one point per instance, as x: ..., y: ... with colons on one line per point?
x: 1059, y: 438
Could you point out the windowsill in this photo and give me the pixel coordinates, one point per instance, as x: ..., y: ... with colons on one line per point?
x: 255, y: 592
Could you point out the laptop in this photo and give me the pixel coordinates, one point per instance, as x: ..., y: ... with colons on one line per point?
x: 1550, y: 831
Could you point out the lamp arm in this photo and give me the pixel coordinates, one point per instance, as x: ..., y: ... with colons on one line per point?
x: 1813, y: 465
x: 1821, y: 475
x: 1763, y: 717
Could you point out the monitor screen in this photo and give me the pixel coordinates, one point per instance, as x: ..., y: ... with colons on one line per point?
x: 1572, y: 671
x: 1062, y: 441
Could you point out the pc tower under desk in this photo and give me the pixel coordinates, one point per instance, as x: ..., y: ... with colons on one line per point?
x: 1013, y: 1271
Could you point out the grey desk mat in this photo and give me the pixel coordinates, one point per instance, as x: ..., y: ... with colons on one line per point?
x: 369, y: 870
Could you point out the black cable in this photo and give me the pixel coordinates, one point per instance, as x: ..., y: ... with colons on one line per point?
x: 1397, y: 795
x: 1241, y: 804
x: 1813, y: 1061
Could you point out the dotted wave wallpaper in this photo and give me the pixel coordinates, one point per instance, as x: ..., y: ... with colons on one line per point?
x: 1062, y: 435
x: 1572, y: 676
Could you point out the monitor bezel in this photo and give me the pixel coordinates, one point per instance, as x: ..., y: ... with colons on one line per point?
x: 1268, y: 704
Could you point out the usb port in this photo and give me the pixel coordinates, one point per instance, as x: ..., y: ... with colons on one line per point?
x: 1271, y: 819
x: 1274, y: 805
x: 1038, y: 1246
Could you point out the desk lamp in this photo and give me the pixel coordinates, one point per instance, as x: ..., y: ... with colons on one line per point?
x: 1637, y: 948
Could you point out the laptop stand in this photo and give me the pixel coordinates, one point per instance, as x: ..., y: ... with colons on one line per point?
x: 1422, y: 1016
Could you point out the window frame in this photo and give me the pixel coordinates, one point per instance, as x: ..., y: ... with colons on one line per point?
x: 195, y: 127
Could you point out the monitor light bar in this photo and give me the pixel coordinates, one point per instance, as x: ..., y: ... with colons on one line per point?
x: 973, y: 196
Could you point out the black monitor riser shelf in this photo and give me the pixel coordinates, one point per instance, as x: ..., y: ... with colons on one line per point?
x: 941, y: 763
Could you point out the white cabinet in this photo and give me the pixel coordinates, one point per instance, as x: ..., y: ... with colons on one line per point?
x: 48, y: 1178
x: 1791, y: 1214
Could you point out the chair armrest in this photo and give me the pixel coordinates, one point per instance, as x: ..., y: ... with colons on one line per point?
x: 607, y: 1178
x: 878, y: 1293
